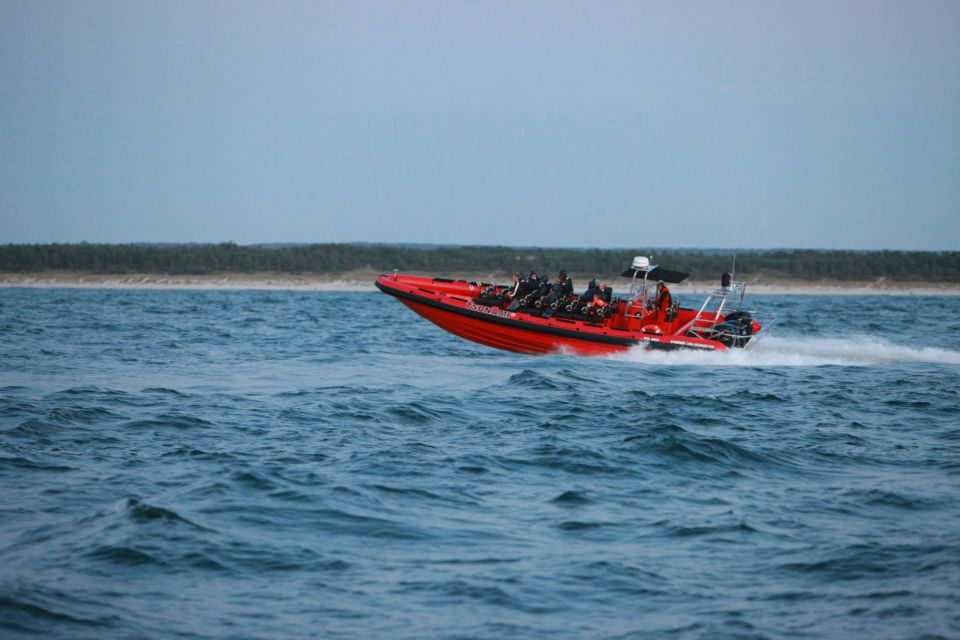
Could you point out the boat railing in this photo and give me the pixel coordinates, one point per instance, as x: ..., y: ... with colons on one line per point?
x: 737, y: 337
x: 702, y: 324
x: 766, y: 320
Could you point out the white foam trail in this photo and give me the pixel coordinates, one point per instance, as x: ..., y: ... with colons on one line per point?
x: 804, y: 351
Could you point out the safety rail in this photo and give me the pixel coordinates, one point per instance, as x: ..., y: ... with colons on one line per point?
x: 703, y: 323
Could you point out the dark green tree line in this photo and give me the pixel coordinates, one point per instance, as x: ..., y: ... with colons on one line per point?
x: 201, y: 259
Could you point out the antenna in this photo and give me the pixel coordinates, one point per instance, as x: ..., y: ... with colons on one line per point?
x: 733, y: 269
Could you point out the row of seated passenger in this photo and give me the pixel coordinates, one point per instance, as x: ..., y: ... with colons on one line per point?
x: 539, y: 297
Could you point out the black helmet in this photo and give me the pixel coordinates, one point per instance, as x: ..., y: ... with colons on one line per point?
x: 562, y: 274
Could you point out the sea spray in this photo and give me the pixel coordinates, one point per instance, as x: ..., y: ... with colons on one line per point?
x: 797, y: 350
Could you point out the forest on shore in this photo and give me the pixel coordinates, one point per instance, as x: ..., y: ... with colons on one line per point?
x: 332, y: 259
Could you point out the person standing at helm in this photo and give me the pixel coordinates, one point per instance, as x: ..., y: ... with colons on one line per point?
x: 664, y: 300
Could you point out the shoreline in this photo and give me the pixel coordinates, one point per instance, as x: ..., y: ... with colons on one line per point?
x: 363, y: 281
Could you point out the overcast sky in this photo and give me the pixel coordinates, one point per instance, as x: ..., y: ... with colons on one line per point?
x: 611, y: 124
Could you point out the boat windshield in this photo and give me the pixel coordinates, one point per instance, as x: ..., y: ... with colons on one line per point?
x: 642, y: 290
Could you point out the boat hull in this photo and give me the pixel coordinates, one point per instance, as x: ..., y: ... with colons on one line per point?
x: 449, y: 304
x: 499, y: 336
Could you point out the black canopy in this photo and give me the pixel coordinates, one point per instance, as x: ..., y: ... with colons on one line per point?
x: 653, y: 272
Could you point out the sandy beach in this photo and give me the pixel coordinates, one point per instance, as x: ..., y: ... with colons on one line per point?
x: 363, y: 281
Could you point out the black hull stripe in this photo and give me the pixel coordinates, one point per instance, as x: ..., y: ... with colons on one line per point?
x: 519, y: 324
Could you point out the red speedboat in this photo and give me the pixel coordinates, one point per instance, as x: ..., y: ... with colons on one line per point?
x: 488, y: 314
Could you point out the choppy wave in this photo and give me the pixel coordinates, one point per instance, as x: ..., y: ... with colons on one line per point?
x: 244, y: 464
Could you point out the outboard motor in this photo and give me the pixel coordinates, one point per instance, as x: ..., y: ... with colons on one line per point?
x: 738, y: 327
x: 725, y: 280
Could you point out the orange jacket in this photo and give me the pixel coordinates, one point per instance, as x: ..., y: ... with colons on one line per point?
x: 663, y: 300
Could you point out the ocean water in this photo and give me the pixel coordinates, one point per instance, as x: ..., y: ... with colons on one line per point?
x: 200, y: 464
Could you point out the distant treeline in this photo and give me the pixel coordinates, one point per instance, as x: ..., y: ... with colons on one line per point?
x: 337, y: 258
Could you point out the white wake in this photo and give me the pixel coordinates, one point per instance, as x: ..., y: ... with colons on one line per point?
x: 780, y: 351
